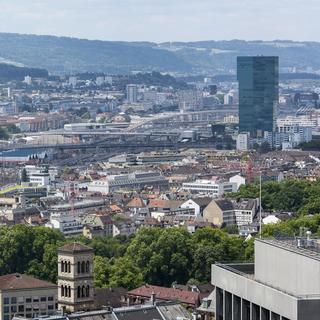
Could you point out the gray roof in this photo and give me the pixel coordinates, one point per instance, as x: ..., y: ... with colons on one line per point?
x: 173, y: 312
x: 225, y: 204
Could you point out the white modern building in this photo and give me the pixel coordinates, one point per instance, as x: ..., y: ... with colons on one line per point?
x: 243, y: 141
x: 69, y: 225
x: 132, y: 181
x: 132, y: 93
x: 40, y: 179
x: 213, y: 187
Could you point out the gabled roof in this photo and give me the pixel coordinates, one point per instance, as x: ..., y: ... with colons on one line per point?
x: 224, y: 204
x: 17, y: 281
x: 202, y: 201
x: 159, y: 203
x: 75, y: 247
x: 169, y: 294
x: 136, y: 203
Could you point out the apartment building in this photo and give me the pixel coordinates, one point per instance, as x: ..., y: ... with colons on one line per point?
x: 26, y: 296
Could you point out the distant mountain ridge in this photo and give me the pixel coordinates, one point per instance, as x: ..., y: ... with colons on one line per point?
x: 62, y: 55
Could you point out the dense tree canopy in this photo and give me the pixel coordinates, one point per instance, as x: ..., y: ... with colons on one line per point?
x: 290, y: 195
x: 153, y: 255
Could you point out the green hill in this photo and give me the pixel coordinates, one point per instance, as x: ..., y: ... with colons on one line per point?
x: 64, y: 55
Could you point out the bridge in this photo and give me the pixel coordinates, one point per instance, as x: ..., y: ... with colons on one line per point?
x: 188, y: 117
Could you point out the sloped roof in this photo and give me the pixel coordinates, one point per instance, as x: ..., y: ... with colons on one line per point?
x: 159, y: 203
x: 136, y: 203
x: 202, y: 201
x: 169, y: 294
x: 75, y: 247
x: 22, y: 281
x: 225, y: 204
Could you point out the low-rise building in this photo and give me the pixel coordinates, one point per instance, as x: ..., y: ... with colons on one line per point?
x: 231, y: 212
x: 26, y: 296
x: 214, y: 187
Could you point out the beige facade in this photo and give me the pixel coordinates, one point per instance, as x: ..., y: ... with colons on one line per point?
x: 75, y: 277
x: 26, y: 296
x: 214, y: 214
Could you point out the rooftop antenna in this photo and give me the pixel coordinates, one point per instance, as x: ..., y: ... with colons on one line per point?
x: 260, y: 213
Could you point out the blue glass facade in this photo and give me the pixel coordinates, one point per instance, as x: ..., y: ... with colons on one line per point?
x: 258, y: 93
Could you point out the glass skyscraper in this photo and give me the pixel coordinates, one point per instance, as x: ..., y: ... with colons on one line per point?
x: 258, y: 93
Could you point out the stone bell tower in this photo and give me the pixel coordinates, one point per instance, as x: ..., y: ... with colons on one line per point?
x: 75, y: 277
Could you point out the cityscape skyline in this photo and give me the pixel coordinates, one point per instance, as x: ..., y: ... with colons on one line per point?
x: 163, y: 20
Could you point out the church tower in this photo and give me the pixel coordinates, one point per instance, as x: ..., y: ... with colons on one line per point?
x: 75, y: 277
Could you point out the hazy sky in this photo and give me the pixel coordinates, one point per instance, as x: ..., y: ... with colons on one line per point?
x: 164, y: 20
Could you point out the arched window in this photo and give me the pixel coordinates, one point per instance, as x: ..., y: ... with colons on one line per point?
x: 87, y: 267
x: 62, y: 291
x: 79, y: 292
x: 62, y: 266
x: 69, y: 292
x: 69, y: 267
x: 83, y: 289
x: 87, y: 291
x: 66, y: 291
x: 79, y: 267
x: 83, y: 267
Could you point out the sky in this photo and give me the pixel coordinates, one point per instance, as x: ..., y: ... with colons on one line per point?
x: 164, y: 20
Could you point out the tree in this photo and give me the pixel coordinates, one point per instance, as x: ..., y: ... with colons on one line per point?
x: 163, y: 255
x: 124, y: 273
x: 231, y: 229
x: 102, y: 270
x: 3, y: 134
x: 24, y: 176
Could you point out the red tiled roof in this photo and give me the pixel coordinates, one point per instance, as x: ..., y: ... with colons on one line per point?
x: 22, y: 281
x: 160, y: 203
x: 162, y: 293
x: 136, y: 203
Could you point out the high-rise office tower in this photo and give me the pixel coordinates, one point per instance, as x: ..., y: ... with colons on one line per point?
x: 258, y: 93
x: 132, y: 93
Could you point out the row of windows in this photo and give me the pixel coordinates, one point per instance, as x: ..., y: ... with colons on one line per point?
x: 82, y: 292
x: 82, y: 267
x: 66, y: 266
x: 65, y: 291
x: 22, y: 308
x: 13, y: 300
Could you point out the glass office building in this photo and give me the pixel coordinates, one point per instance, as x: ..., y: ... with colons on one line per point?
x: 258, y: 93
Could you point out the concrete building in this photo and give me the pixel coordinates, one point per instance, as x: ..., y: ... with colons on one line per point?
x: 40, y: 179
x: 69, y: 225
x: 231, y: 212
x: 190, y: 100
x: 132, y: 181
x: 75, y: 277
x: 214, y: 187
x: 26, y: 296
x: 283, y: 283
x: 132, y: 93
x: 243, y: 141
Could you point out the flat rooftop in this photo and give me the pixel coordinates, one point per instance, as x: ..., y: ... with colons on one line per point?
x: 300, y: 245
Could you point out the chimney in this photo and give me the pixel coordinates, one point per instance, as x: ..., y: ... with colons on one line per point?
x: 153, y: 298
